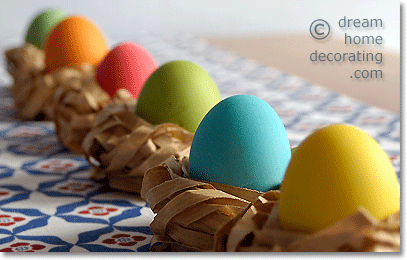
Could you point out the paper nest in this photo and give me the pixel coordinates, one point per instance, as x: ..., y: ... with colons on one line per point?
x: 32, y: 89
x: 199, y: 216
x: 70, y: 96
x: 76, y: 104
x: 122, y: 147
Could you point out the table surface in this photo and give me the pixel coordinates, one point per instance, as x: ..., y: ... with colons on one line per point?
x: 48, y: 202
x: 291, y: 53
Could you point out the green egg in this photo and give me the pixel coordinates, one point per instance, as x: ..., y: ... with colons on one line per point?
x: 179, y: 92
x: 41, y: 25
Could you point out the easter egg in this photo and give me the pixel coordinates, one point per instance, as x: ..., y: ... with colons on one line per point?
x: 126, y: 66
x: 179, y: 92
x: 240, y: 142
x: 73, y: 41
x: 41, y: 25
x: 332, y: 172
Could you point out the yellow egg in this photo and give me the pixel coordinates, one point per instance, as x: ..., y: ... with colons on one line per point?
x: 331, y: 173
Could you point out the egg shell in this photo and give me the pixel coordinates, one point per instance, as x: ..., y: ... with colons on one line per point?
x: 73, y: 41
x: 241, y: 142
x: 332, y: 172
x: 41, y: 25
x: 126, y: 66
x: 179, y: 92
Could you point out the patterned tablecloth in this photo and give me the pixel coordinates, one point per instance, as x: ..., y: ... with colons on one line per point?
x: 48, y: 202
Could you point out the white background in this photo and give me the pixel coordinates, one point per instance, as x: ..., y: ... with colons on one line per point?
x: 209, y: 17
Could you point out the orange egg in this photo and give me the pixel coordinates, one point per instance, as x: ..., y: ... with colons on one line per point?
x: 73, y: 41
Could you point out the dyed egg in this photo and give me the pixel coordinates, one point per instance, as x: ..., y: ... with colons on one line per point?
x: 178, y: 92
x: 126, y: 66
x: 241, y: 142
x: 332, y: 172
x: 73, y: 41
x: 41, y: 25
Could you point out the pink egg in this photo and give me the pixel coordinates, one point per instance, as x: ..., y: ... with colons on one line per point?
x: 126, y: 66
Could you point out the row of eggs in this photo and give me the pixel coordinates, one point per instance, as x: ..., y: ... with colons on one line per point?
x: 179, y: 92
x: 241, y: 141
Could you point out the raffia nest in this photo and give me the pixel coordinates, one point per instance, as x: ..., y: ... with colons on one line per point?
x: 122, y: 147
x: 77, y: 101
x: 32, y: 89
x: 200, y: 216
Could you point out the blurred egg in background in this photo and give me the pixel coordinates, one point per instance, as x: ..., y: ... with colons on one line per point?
x: 42, y: 24
x: 127, y: 66
x: 73, y: 41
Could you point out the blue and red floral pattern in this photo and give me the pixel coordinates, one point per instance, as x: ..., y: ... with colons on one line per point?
x: 124, y: 240
x: 23, y: 247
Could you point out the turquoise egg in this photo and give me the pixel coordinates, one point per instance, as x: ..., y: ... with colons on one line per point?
x: 241, y: 142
